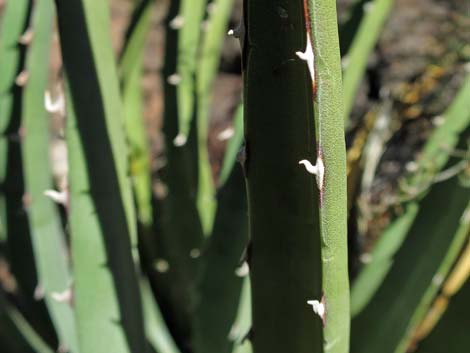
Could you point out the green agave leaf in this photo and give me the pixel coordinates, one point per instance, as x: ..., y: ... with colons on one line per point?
x: 131, y: 74
x: 15, y: 239
x: 298, y: 230
x: 131, y: 67
x: 178, y: 223
x: 15, y: 22
x: 333, y: 189
x: 47, y: 236
x: 102, y: 224
x: 188, y: 24
x: 215, y: 30
x: 233, y: 147
x: 242, y: 325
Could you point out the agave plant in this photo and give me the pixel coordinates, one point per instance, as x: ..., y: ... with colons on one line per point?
x: 251, y: 259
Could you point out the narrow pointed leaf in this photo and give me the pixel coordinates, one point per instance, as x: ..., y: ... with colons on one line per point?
x: 188, y: 24
x: 451, y: 333
x: 102, y: 224
x: 425, y: 249
x: 180, y: 227
x: 219, y: 287
x: 434, y: 156
x: 47, y: 236
x: 355, y: 60
x: 15, y: 239
x: 215, y: 30
x: 131, y: 68
x: 333, y: 190
x: 284, y: 255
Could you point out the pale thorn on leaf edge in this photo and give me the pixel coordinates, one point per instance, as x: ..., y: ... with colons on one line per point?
x: 195, y: 253
x: 318, y: 170
x: 38, y: 292
x: 180, y: 140
x: 308, y: 57
x: 162, y: 266
x: 226, y: 134
x: 177, y: 22
x: 211, y: 8
x: 59, y: 197
x: 243, y: 270
x: 22, y: 78
x: 27, y: 37
x: 234, y: 332
x: 63, y: 297
x: 205, y: 25
x: 467, y: 66
x: 63, y: 348
x: 318, y: 308
x: 237, y: 31
x: 57, y: 106
x: 174, y: 79
x: 368, y: 6
x: 466, y: 216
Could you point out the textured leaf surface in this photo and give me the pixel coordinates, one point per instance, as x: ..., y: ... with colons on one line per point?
x: 284, y: 255
x: 332, y: 151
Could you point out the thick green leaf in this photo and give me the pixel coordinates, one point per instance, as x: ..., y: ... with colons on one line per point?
x: 131, y: 67
x: 283, y: 199
x: 188, y: 24
x: 180, y: 231
x: 242, y: 325
x: 15, y: 239
x: 215, y: 30
x: 331, y: 156
x: 47, y: 236
x: 16, y: 16
x: 102, y: 224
